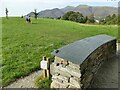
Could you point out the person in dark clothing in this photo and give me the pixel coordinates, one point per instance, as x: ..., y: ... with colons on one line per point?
x: 28, y: 19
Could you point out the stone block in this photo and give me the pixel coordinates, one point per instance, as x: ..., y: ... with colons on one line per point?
x: 61, y: 85
x: 58, y: 60
x: 73, y: 72
x: 76, y: 86
x: 55, y: 85
x: 63, y: 78
x: 62, y: 71
x: 74, y: 65
x: 75, y: 81
x: 73, y: 87
x: 88, y: 79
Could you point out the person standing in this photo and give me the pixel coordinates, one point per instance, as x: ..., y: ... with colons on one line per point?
x: 28, y: 19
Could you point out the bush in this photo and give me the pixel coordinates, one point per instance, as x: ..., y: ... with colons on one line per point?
x: 75, y: 16
x: 66, y: 15
x: 42, y: 82
x: 110, y: 19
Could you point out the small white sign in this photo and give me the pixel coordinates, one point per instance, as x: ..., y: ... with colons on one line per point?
x: 44, y: 64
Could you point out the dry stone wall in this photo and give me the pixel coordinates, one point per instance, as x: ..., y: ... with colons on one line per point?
x: 69, y: 75
x: 66, y: 74
x: 91, y: 65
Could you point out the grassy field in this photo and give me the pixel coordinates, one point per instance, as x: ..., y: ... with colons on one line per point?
x: 24, y: 44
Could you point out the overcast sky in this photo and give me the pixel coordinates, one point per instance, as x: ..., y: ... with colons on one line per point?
x: 23, y: 7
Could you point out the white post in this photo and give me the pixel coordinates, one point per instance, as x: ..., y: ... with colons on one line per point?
x: 43, y: 62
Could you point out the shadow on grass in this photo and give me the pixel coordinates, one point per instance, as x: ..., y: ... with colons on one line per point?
x: 34, y: 23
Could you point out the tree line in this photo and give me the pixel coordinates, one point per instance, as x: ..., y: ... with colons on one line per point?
x: 111, y: 19
x: 78, y: 17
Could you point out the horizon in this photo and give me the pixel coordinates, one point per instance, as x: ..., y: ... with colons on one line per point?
x: 20, y: 8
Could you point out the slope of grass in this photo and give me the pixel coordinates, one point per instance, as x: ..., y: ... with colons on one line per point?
x: 24, y: 44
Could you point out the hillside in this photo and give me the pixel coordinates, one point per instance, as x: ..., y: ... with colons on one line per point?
x: 51, y: 13
x: 99, y: 12
x: 24, y: 45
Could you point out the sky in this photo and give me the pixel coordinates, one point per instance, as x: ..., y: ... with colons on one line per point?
x: 23, y: 7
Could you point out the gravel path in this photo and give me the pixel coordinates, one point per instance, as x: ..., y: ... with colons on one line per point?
x: 27, y: 82
x: 107, y: 76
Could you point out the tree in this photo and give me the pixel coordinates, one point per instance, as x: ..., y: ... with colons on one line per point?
x: 91, y: 19
x: 85, y: 20
x: 81, y: 18
x: 74, y: 16
x: 6, y: 11
x: 113, y: 16
x: 118, y: 19
x: 66, y: 15
x: 59, y: 17
x: 35, y: 13
x: 110, y: 19
x: 102, y: 21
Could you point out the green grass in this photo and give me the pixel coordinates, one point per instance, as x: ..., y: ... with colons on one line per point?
x: 24, y: 44
x: 42, y: 82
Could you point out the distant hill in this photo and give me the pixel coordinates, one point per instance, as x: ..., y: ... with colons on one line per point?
x: 99, y: 11
x: 54, y: 13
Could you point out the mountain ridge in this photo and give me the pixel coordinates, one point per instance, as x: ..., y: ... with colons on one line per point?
x: 99, y: 12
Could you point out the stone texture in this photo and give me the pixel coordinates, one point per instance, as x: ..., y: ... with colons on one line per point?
x: 66, y: 77
x: 57, y: 84
x: 63, y: 78
x: 75, y: 82
x: 70, y: 75
x: 91, y: 65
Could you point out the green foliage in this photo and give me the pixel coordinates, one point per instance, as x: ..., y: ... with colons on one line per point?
x: 78, y: 17
x: 113, y: 19
x: 59, y: 17
x: 42, y: 82
x: 91, y: 19
x: 24, y: 44
x: 67, y: 15
x: 113, y: 16
x: 118, y: 20
x: 35, y: 13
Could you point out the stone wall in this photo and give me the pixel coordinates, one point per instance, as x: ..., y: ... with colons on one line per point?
x: 69, y: 75
x: 91, y: 65
x: 66, y: 74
